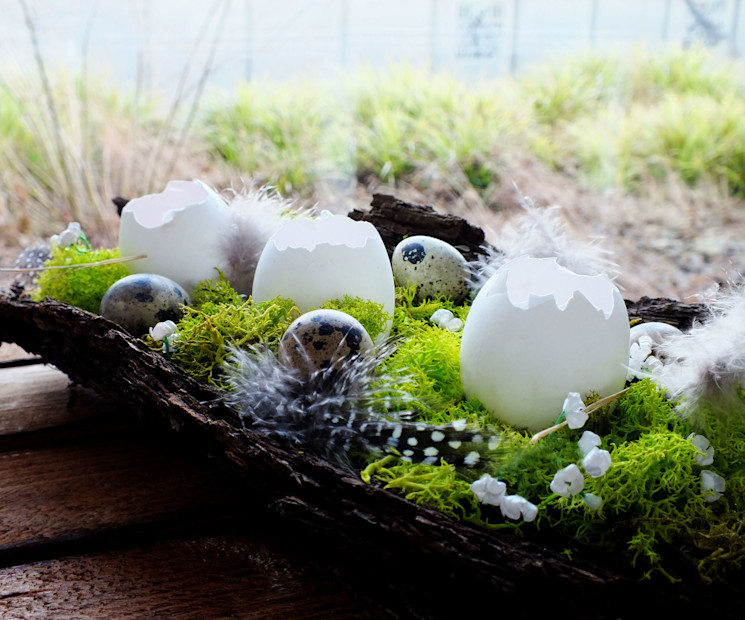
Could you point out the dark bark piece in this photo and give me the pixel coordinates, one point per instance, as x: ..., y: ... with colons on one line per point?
x: 668, y: 311
x: 396, y: 219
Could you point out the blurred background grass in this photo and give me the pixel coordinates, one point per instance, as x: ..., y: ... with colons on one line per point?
x: 646, y: 125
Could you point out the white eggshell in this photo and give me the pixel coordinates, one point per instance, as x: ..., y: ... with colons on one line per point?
x: 179, y: 230
x: 322, y: 339
x: 312, y: 261
x: 143, y: 300
x: 434, y: 266
x: 537, y: 331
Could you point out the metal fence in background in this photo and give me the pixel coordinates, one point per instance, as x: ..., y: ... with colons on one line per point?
x: 153, y: 40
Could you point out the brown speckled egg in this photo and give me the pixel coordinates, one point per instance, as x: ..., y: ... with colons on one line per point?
x: 321, y: 339
x: 434, y: 266
x: 141, y: 301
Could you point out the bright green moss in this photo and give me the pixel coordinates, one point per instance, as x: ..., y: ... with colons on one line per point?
x: 216, y: 292
x: 371, y: 315
x: 83, y: 287
x: 651, y: 494
x: 437, y: 486
x: 207, y: 334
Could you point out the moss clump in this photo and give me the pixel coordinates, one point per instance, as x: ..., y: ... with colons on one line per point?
x: 216, y: 292
x: 83, y: 287
x: 371, y: 315
x: 207, y: 334
x: 440, y: 487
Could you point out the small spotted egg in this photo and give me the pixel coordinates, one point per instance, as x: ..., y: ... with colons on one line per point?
x: 141, y: 301
x: 321, y: 339
x: 434, y: 266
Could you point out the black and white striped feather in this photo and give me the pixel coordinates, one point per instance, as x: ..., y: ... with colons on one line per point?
x: 342, y: 411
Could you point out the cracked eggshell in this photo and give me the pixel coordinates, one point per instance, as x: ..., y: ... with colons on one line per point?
x: 314, y: 260
x: 180, y: 231
x: 434, y: 266
x: 537, y: 331
x: 141, y: 301
x: 321, y: 339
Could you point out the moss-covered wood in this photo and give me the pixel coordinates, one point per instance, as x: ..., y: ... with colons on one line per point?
x: 410, y: 557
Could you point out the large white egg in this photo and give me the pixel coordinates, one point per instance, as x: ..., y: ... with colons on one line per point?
x: 178, y: 229
x: 314, y: 260
x: 537, y: 331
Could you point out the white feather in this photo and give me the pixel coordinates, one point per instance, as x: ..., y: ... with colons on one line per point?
x: 541, y: 232
x: 255, y: 217
x: 705, y: 367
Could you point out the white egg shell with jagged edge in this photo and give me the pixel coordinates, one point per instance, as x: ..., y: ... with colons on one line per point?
x: 433, y: 265
x: 323, y: 339
x: 314, y: 260
x: 179, y: 230
x: 537, y: 331
x: 141, y: 301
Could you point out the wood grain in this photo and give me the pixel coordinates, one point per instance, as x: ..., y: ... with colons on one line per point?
x: 40, y: 396
x: 220, y: 576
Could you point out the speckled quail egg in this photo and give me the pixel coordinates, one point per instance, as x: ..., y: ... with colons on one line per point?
x: 434, y: 266
x: 322, y: 339
x: 141, y: 301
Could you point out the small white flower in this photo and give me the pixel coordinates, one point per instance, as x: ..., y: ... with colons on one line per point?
x: 638, y: 354
x: 517, y: 507
x: 702, y: 444
x: 529, y: 510
x: 163, y: 330
x: 69, y: 236
x: 587, y: 442
x: 441, y: 317
x: 454, y: 325
x: 712, y: 485
x: 568, y: 481
x: 592, y: 501
x: 489, y: 490
x: 596, y: 462
x: 574, y: 410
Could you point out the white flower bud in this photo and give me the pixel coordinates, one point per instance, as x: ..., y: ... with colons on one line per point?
x: 596, y: 462
x: 712, y: 485
x: 568, y: 481
x: 489, y: 490
x: 703, y: 445
x: 574, y: 409
x: 163, y: 330
x: 587, y: 442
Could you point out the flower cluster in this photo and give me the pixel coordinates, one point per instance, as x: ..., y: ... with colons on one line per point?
x: 74, y: 236
x: 447, y: 320
x: 570, y: 481
x: 712, y: 484
x: 492, y: 492
x: 642, y: 361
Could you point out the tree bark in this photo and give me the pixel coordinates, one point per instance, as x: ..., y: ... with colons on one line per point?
x: 410, y: 557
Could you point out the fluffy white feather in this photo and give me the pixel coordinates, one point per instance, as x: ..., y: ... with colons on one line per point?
x: 705, y: 367
x: 541, y: 232
x: 255, y: 217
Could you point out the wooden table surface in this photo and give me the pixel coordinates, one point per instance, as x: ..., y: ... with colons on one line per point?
x: 105, y: 516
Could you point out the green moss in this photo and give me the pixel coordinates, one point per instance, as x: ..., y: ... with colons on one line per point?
x: 215, y: 292
x: 372, y: 315
x: 651, y: 494
x: 437, y: 486
x: 83, y: 287
x: 206, y: 334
